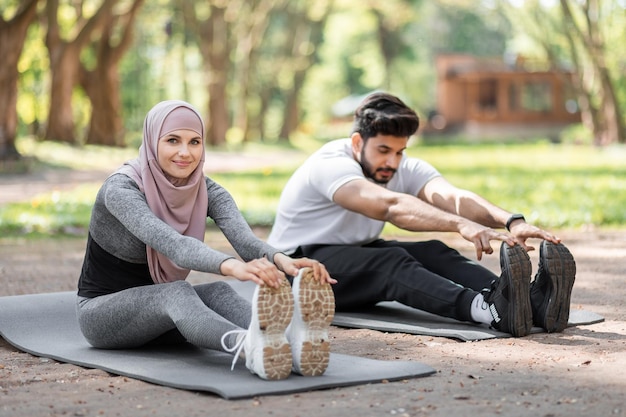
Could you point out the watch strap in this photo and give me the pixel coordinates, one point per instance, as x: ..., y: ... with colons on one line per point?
x: 511, y: 219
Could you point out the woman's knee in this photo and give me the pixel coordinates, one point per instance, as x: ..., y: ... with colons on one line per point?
x: 181, y: 287
x: 216, y: 293
x: 221, y: 287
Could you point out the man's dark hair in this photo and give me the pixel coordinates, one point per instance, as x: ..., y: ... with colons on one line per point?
x: 385, y: 114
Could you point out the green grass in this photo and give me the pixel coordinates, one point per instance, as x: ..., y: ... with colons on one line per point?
x: 555, y: 186
x: 64, y: 213
x: 256, y: 192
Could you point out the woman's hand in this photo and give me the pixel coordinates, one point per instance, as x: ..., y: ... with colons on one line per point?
x: 261, y: 271
x: 291, y: 266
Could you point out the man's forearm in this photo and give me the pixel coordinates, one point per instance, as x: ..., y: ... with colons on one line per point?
x: 473, y: 207
x: 413, y: 214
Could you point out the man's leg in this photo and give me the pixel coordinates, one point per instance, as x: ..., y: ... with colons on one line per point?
x: 380, y: 272
x: 506, y: 305
x: 443, y: 260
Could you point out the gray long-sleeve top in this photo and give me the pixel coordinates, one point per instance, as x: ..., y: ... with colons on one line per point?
x: 122, y: 224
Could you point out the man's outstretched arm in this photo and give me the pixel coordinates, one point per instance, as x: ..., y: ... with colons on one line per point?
x: 440, y: 193
x: 411, y: 213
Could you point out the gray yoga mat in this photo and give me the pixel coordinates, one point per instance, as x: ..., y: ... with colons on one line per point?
x: 45, y: 325
x: 394, y: 317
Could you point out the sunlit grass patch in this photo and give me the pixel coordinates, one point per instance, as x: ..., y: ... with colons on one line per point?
x: 57, y: 212
x: 75, y: 157
x: 555, y: 186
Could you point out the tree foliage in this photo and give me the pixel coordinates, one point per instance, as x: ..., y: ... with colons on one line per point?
x: 265, y: 70
x: 583, y: 36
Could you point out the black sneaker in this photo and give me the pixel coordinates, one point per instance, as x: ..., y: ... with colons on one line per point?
x: 508, y: 300
x: 551, y: 290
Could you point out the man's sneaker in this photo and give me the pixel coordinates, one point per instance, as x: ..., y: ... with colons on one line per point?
x: 308, y: 332
x: 508, y: 299
x: 551, y: 290
x: 265, y: 344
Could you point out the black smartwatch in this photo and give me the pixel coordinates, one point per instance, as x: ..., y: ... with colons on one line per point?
x: 513, y: 217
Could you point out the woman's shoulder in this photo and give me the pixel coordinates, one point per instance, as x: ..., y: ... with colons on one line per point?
x: 118, y: 185
x: 118, y: 179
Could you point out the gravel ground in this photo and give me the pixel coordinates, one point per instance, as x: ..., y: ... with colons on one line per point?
x: 579, y: 372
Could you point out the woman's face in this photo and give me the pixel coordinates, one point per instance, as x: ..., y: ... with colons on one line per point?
x: 179, y: 153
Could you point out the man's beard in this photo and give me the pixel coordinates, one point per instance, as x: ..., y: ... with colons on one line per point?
x: 370, y: 172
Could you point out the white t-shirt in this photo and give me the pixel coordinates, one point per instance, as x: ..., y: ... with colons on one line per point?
x: 306, y: 211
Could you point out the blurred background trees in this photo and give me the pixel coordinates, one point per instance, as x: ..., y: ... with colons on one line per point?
x: 87, y: 71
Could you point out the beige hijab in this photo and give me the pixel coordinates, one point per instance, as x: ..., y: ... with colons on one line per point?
x: 184, y: 208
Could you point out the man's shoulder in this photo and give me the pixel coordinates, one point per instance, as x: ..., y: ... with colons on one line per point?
x: 334, y: 158
x: 414, y: 163
x: 338, y: 148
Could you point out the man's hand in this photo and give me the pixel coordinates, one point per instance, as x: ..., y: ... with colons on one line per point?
x: 482, y: 236
x: 522, y: 231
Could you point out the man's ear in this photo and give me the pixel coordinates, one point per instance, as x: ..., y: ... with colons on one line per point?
x: 357, y: 144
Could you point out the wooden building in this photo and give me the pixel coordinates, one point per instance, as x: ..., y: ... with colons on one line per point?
x: 487, y: 97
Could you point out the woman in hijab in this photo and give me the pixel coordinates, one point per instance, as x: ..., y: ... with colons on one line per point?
x: 146, y: 234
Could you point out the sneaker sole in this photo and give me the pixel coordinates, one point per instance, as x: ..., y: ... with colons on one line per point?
x: 519, y: 314
x: 275, y: 309
x: 561, y: 268
x: 316, y: 307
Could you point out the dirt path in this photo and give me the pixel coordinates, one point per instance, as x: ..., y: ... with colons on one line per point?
x: 579, y: 372
x: 15, y: 188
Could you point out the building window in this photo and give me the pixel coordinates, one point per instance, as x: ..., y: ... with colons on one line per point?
x: 571, y: 104
x: 513, y: 97
x: 487, y: 94
x: 537, y: 96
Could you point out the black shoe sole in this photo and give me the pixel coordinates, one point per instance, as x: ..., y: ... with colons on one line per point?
x: 517, y: 262
x: 561, y: 268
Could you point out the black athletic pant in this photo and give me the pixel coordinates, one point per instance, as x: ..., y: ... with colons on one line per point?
x: 427, y: 275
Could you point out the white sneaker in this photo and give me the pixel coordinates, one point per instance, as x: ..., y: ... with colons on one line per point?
x: 314, y: 309
x: 265, y: 345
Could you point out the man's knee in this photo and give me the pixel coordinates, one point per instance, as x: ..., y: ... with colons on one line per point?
x: 438, y: 248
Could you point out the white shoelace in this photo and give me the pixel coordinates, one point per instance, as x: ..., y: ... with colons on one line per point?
x: 238, y: 346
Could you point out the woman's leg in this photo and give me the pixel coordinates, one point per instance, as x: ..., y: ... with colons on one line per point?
x: 225, y: 301
x: 136, y: 316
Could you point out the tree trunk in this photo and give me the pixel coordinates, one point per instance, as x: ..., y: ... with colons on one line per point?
x: 291, y: 115
x: 65, y: 69
x: 615, y: 131
x: 215, y: 47
x: 249, y: 31
x: 102, y: 84
x: 608, y: 120
x: 12, y: 37
x: 388, y: 44
x: 305, y: 31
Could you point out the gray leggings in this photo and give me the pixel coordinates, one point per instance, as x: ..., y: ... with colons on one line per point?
x: 175, y: 311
